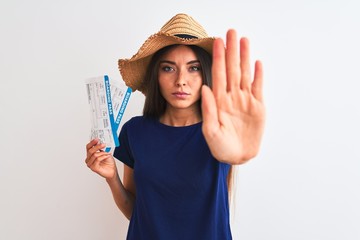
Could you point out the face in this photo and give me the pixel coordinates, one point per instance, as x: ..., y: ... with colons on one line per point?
x: 180, y: 78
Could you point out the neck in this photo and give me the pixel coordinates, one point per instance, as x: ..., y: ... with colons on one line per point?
x: 180, y: 118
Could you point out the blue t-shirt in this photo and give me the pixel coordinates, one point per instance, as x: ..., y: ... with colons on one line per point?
x: 181, y: 189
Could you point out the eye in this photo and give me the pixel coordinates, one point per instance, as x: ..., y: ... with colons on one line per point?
x: 167, y: 68
x: 195, y: 68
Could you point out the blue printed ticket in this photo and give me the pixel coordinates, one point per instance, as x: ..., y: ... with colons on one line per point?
x: 107, y: 99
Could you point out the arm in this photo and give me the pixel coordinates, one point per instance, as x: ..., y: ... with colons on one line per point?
x: 124, y: 193
x: 233, y: 110
x: 104, y: 164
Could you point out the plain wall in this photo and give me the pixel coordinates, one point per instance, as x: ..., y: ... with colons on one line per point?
x: 304, y: 184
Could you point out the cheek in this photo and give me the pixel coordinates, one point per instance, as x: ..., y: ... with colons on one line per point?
x: 197, y: 83
x: 164, y: 85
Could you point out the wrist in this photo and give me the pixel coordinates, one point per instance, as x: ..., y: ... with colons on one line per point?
x: 112, y: 179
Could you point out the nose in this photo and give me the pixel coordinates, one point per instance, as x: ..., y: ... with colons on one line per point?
x: 181, y: 79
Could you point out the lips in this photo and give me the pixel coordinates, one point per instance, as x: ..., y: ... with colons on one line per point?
x: 180, y: 94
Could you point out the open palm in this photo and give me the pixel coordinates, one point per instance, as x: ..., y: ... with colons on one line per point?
x: 233, y: 111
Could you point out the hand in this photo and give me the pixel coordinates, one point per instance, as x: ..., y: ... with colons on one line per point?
x: 99, y: 161
x: 233, y: 111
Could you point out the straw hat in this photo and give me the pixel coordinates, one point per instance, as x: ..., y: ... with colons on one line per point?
x: 180, y: 29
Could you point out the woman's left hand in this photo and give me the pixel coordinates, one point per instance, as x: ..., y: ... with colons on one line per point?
x: 233, y: 111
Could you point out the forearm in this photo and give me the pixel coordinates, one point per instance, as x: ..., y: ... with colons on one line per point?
x: 124, y: 199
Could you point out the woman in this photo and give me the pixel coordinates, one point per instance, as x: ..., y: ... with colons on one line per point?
x: 202, y: 114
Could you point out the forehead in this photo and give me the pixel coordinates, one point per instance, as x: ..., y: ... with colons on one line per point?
x: 179, y: 52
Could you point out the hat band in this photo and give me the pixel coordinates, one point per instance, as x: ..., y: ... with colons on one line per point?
x: 186, y: 36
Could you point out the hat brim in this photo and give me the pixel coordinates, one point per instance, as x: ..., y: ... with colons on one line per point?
x: 133, y: 70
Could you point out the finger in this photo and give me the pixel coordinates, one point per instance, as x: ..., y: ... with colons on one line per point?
x: 245, y: 81
x: 91, y: 144
x: 96, y: 157
x: 257, y: 85
x: 209, y: 111
x: 96, y: 148
x: 97, y: 162
x: 218, y: 69
x: 90, y: 159
x: 232, y: 61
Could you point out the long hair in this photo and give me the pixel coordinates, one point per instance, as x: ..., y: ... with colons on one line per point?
x: 155, y: 104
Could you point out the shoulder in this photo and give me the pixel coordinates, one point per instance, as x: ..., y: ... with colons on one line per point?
x: 138, y: 129
x: 136, y: 121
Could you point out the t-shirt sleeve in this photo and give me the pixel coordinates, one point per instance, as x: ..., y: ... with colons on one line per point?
x: 123, y: 151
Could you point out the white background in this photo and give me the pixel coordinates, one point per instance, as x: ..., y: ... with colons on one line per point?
x: 305, y: 183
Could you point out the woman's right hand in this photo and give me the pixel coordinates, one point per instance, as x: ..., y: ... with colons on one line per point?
x: 99, y: 161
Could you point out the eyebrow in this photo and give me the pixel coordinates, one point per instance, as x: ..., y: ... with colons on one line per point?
x: 173, y: 63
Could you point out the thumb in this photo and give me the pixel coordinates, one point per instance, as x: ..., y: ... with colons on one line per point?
x: 209, y: 111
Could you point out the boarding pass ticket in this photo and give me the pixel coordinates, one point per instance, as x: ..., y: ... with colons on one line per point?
x: 107, y: 100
